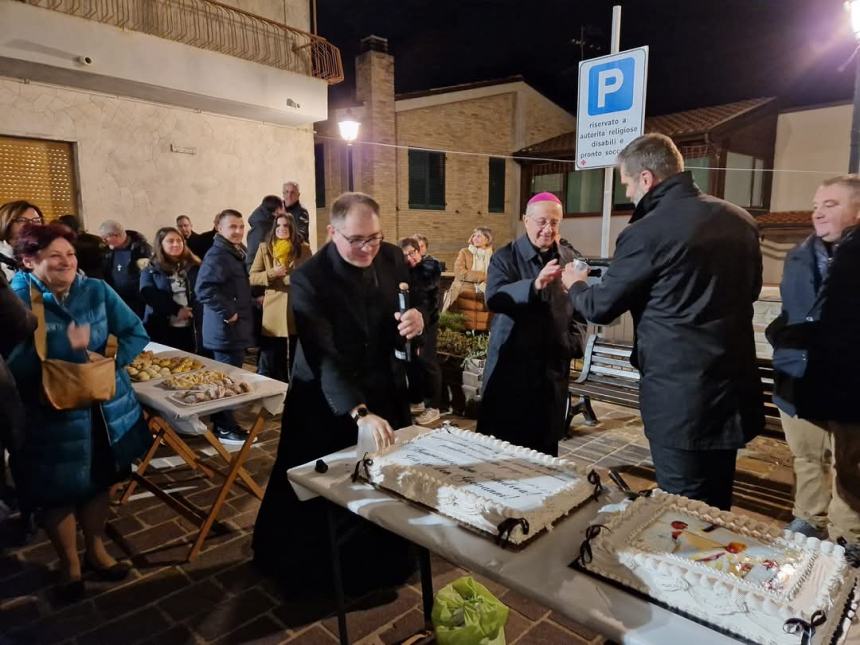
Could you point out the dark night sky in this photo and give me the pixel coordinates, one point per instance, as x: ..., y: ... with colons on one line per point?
x: 702, y: 52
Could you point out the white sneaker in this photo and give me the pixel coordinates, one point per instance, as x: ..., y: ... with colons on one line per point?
x: 416, y: 408
x: 429, y: 416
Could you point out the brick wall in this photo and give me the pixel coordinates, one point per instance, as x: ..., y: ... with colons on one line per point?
x: 544, y: 119
x: 483, y: 125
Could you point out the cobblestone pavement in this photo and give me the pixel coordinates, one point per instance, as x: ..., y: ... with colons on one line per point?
x: 221, y: 598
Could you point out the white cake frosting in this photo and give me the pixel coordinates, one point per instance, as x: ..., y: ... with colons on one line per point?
x: 728, y: 570
x: 481, y: 481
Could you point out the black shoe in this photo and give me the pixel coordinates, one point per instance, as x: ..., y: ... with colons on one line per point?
x: 234, y: 436
x: 69, y: 592
x: 114, y: 573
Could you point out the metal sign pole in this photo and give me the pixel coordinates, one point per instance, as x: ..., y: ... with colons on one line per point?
x: 608, y: 178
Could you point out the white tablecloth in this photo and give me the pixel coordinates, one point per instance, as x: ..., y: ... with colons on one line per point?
x: 186, y: 419
x: 539, y: 571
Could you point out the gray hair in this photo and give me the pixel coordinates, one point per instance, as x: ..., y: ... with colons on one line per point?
x: 342, y: 205
x: 851, y: 182
x: 110, y: 227
x: 654, y: 152
x: 293, y: 184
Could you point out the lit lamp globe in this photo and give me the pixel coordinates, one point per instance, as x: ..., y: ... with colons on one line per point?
x: 348, y: 129
x: 853, y: 9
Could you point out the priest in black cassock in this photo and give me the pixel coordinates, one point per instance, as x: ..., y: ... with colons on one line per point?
x: 533, y: 336
x: 346, y: 379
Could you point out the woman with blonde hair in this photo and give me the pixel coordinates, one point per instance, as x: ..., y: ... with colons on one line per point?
x: 282, y: 252
x: 466, y: 295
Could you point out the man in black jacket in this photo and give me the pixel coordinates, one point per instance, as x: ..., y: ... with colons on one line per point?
x: 122, y: 263
x: 294, y: 207
x: 688, y: 268
x: 89, y: 248
x: 815, y: 359
x: 346, y: 383
x: 533, y: 335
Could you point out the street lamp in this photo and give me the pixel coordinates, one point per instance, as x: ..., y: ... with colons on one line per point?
x: 853, y: 9
x: 348, y: 127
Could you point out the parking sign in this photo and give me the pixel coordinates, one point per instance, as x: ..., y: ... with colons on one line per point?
x: 610, y: 109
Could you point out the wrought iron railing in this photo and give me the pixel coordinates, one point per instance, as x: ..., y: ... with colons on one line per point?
x: 208, y: 24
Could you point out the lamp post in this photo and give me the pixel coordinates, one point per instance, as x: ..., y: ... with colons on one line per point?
x: 853, y: 8
x: 348, y: 127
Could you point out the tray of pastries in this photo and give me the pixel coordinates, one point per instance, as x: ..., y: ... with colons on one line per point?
x: 203, y: 386
x: 196, y: 380
x: 148, y: 366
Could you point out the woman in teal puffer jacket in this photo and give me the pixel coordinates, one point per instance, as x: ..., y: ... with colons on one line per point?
x: 69, y: 459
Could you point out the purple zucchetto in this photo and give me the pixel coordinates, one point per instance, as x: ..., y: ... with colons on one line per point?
x: 544, y: 197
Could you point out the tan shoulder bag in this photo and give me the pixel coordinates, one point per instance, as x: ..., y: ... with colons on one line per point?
x: 66, y: 385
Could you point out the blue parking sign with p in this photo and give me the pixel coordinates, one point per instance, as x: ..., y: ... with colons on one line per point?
x: 611, y: 86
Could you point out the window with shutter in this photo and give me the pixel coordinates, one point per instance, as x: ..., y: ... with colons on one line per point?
x: 41, y: 172
x: 426, y: 180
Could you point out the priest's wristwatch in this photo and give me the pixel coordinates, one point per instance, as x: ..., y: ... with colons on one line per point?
x: 360, y: 411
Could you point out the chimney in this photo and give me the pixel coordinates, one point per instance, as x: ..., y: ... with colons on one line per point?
x: 373, y: 44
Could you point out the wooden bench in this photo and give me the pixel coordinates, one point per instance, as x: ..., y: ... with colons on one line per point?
x: 607, y: 375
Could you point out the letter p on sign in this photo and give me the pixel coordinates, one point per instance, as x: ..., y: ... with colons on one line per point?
x: 611, y: 86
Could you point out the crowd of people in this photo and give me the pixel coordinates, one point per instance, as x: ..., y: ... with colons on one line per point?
x: 361, y: 360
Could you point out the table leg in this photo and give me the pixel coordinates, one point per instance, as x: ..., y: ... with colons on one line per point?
x: 252, y: 486
x: 426, y: 584
x: 337, y: 577
x: 235, y: 466
x: 144, y: 464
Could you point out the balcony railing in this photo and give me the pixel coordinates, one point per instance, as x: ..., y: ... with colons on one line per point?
x: 208, y: 24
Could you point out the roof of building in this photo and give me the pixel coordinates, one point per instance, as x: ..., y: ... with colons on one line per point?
x: 688, y: 124
x: 785, y: 219
x: 459, y: 88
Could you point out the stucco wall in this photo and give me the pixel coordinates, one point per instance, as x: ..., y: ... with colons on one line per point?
x: 814, y: 140
x: 126, y: 168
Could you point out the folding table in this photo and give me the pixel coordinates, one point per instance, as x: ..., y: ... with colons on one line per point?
x: 169, y: 420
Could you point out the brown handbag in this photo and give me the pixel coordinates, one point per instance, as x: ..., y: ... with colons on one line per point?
x: 66, y: 385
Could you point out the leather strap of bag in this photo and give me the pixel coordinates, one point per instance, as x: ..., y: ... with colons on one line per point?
x: 40, y: 336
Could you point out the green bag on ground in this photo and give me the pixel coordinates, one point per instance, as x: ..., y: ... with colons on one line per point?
x: 466, y: 613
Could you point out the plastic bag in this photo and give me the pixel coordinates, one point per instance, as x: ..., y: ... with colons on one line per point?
x: 466, y: 613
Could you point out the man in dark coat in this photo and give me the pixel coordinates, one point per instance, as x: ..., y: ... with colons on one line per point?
x: 122, y: 263
x: 688, y: 268
x: 346, y: 381
x: 533, y: 335
x: 192, y: 239
x: 202, y: 242
x: 424, y: 373
x: 261, y: 221
x: 816, y: 354
x: 224, y: 291
x: 90, y: 249
x: 294, y: 207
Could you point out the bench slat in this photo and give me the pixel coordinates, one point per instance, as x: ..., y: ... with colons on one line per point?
x: 612, y: 362
x: 614, y: 351
x: 630, y: 375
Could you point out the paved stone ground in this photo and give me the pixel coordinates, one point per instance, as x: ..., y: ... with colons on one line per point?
x: 221, y: 598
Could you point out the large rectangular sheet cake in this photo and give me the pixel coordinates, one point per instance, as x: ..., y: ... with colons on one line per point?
x: 491, y: 486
